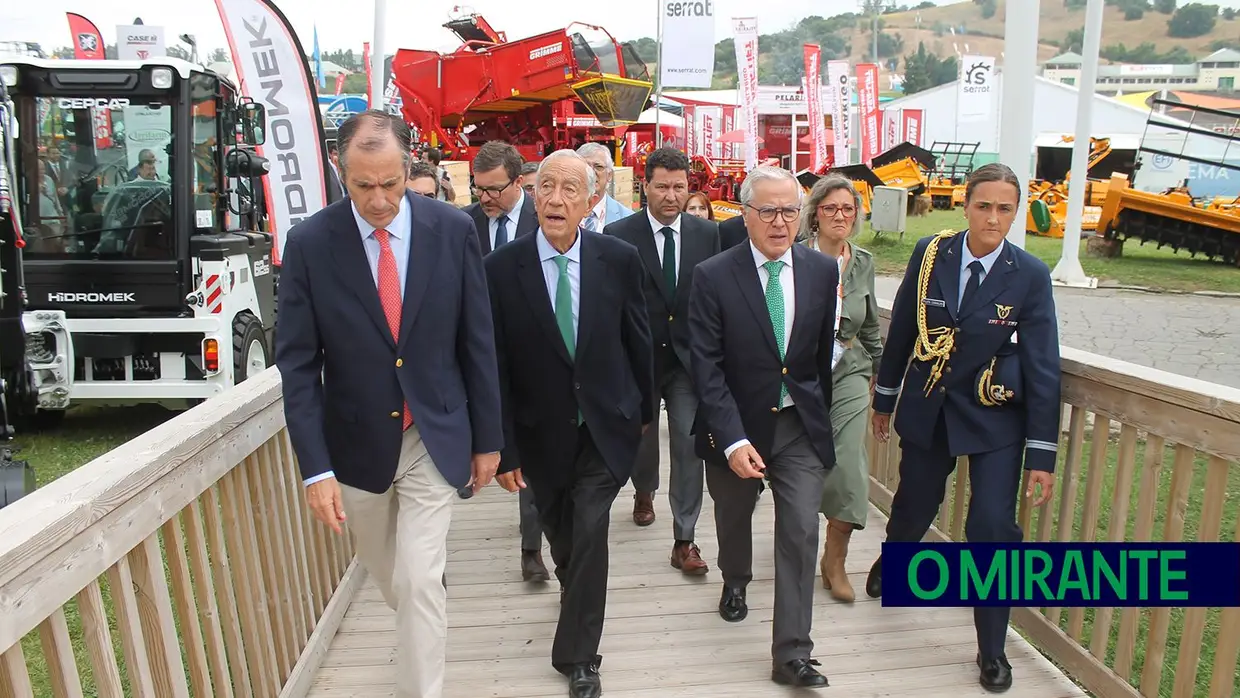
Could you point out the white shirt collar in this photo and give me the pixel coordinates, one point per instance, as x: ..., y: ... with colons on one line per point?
x: 546, y: 251
x: 514, y: 216
x: 600, y: 210
x: 967, y: 258
x: 656, y: 226
x: 398, y: 228
x: 759, y: 259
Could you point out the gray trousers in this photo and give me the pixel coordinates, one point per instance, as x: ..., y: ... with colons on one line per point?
x: 685, y: 494
x: 531, y: 529
x: 796, y: 475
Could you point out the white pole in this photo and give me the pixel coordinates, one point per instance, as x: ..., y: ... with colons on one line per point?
x: 378, y: 56
x: 1068, y: 271
x: 1020, y: 64
x: 658, y: 92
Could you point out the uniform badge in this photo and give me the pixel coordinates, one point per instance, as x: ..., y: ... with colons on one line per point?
x: 1002, y: 311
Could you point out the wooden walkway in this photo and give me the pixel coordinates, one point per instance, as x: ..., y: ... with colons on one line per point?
x: 664, y: 637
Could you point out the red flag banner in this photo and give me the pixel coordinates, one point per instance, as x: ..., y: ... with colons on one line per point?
x: 87, y: 41
x: 867, y: 102
x: 813, y: 100
x: 913, y: 126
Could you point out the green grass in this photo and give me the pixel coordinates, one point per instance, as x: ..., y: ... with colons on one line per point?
x: 1192, y: 524
x: 85, y: 434
x: 1140, y: 265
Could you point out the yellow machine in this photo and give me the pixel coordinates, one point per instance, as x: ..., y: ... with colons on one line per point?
x: 1048, y: 201
x: 953, y: 162
x: 1171, y: 218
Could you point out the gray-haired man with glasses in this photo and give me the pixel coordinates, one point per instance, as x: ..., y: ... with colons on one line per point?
x: 761, y: 334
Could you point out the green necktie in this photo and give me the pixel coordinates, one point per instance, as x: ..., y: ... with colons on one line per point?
x: 564, y: 312
x: 669, y: 260
x: 775, y: 306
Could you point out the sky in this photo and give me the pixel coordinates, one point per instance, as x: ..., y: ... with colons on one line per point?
x: 346, y: 24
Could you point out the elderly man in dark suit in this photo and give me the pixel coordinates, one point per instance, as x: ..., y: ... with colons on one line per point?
x: 577, y: 382
x: 505, y: 212
x: 391, y: 389
x: 762, y: 332
x: 671, y: 246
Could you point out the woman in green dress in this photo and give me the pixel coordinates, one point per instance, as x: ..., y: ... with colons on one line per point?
x: 832, y: 215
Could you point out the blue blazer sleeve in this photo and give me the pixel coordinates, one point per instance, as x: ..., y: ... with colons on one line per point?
x: 299, y: 357
x: 901, y: 335
x: 635, y: 333
x: 475, y: 349
x: 717, y: 406
x: 1038, y: 347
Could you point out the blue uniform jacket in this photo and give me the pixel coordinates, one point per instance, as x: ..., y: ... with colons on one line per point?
x: 992, y: 369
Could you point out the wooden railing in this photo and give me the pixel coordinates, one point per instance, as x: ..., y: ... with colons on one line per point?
x: 182, y: 563
x: 185, y: 563
x: 1145, y: 456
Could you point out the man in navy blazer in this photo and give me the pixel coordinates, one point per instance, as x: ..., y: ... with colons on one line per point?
x: 391, y: 389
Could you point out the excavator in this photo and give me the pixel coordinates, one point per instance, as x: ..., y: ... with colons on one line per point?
x: 558, y: 89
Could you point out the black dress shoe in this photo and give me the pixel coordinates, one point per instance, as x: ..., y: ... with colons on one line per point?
x: 874, y: 582
x: 798, y: 672
x: 584, y: 682
x: 996, y: 674
x: 732, y: 606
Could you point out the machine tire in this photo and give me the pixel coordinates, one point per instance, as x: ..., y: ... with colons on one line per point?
x: 247, y: 331
x: 46, y: 420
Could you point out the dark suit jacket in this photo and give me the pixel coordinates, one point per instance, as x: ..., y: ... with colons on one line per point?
x: 1014, y: 297
x: 342, y: 405
x: 736, y: 366
x: 610, y: 380
x: 732, y: 232
x: 527, y: 223
x: 669, y: 315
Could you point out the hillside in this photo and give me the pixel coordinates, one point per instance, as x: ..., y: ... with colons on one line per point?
x: 1055, y: 23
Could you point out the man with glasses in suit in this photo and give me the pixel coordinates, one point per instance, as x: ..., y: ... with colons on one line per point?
x: 503, y: 213
x: 608, y: 210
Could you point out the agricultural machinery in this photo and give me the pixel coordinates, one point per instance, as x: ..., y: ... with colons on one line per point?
x: 555, y: 90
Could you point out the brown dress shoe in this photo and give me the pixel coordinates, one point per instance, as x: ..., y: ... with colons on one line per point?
x: 532, y: 567
x: 643, y: 508
x: 688, y: 559
x: 835, y: 551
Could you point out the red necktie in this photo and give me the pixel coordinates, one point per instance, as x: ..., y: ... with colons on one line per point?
x: 389, y: 295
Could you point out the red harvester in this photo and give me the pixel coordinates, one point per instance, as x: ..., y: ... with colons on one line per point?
x: 554, y: 90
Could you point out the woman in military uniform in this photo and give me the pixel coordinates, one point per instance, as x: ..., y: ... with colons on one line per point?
x: 962, y: 384
x: 832, y: 216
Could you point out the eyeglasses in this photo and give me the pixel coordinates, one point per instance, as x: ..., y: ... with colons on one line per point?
x: 829, y: 210
x: 493, y: 192
x: 767, y: 214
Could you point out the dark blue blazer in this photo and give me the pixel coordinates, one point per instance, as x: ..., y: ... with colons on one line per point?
x: 610, y: 379
x: 735, y: 362
x: 1014, y: 302
x: 344, y: 377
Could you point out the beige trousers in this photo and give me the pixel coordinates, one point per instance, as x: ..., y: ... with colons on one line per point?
x: 401, y: 539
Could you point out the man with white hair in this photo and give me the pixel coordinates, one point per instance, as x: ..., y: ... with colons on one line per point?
x: 606, y: 210
x: 577, y: 380
x: 761, y: 335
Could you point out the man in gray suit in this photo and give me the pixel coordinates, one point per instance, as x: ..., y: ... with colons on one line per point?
x: 607, y: 210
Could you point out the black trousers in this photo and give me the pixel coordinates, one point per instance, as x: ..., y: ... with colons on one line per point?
x: 994, y: 480
x: 575, y: 517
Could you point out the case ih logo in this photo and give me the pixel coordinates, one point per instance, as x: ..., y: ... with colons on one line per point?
x: 88, y: 43
x: 143, y: 54
x: 90, y: 298
x: 546, y: 51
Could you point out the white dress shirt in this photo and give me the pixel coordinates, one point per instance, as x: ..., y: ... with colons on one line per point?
x: 659, y: 241
x: 788, y: 286
x: 600, y: 216
x: 398, y: 239
x: 513, y: 216
x: 967, y: 258
x: 551, y: 273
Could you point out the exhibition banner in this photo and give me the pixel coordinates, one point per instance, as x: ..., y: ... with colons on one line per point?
x: 687, y: 44
x: 914, y: 125
x: 867, y: 106
x: 976, y: 89
x: 841, y: 106
x: 745, y: 38
x: 891, y: 129
x: 813, y: 99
